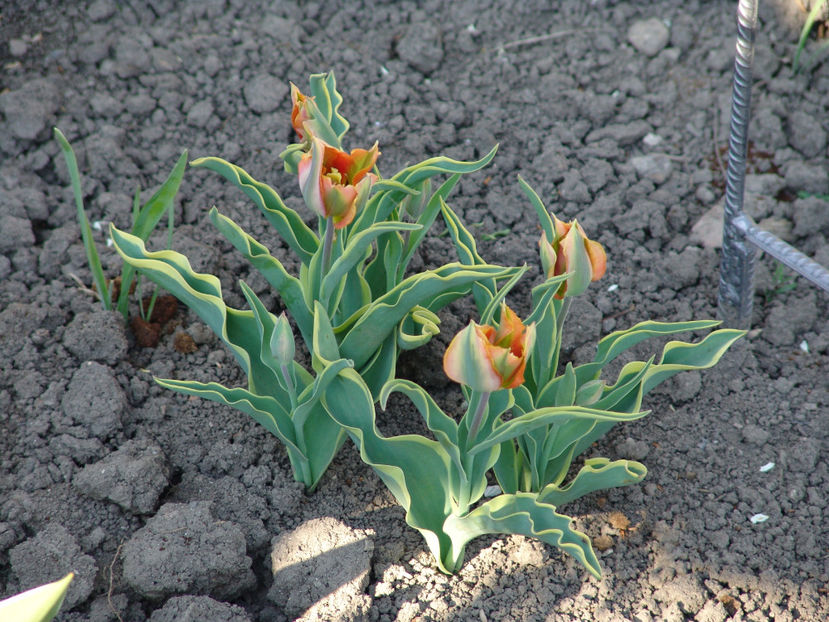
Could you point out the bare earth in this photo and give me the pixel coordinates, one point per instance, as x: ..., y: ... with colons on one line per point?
x: 168, y: 507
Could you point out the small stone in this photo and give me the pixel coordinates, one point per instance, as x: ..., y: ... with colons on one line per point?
x: 755, y: 434
x: 806, y: 134
x: 185, y: 549
x: 649, y: 36
x: 707, y: 231
x: 623, y: 134
x: 30, y: 109
x: 421, y: 47
x: 335, y: 555
x: 682, y: 269
x: 802, y: 176
x: 631, y: 449
x: 15, y: 233
x: 97, y: 336
x: 811, y: 215
x: 655, y: 167
x: 95, y: 400
x: 100, y: 10
x: 573, y: 188
x: 181, y: 608
x: 134, y: 477
x: 18, y: 47
x: 50, y: 555
x: 131, y: 57
x: 265, y: 93
x: 200, y: 114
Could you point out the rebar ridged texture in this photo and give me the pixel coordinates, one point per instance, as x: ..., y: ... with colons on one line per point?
x: 783, y: 252
x: 736, y: 291
x: 741, y: 237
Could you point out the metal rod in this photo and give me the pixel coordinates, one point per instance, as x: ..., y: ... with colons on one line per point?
x: 736, y: 292
x: 783, y: 252
x: 741, y: 237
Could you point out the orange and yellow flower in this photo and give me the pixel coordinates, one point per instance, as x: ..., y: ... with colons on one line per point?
x: 572, y: 251
x: 335, y: 184
x: 486, y: 358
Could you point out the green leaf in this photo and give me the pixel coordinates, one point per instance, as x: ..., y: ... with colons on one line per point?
x: 286, y: 221
x: 425, y: 220
x: 266, y: 411
x: 40, y: 604
x: 383, y: 203
x: 289, y: 287
x: 146, y: 219
x: 203, y: 294
x: 559, y: 415
x: 328, y: 99
x: 508, y: 467
x: 618, y: 341
x: 325, y: 350
x: 86, y: 231
x: 417, y: 328
x: 383, y: 314
x: 355, y: 251
x: 543, y: 215
x: 467, y: 251
x: 596, y: 474
x: 415, y: 469
x: 381, y: 367
x: 523, y: 514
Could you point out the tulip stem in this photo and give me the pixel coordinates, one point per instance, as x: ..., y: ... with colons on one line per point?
x: 286, y: 376
x: 327, y: 244
x: 560, y: 317
x: 478, y: 417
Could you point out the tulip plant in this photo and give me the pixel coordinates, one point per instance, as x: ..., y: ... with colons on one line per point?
x: 352, y: 301
x: 526, y: 420
x: 512, y: 368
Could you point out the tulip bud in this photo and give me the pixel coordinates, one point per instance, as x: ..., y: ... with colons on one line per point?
x: 487, y: 359
x: 572, y: 252
x: 299, y: 114
x: 282, y: 341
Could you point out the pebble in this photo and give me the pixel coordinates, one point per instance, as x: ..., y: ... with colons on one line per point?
x: 336, y: 555
x: 185, y: 549
x: 811, y: 215
x: 52, y: 553
x: 802, y: 176
x: 265, y: 93
x: 180, y: 608
x: 806, y: 134
x: 30, y: 109
x: 95, y: 399
x: 97, y: 336
x: 655, y: 167
x: 134, y: 477
x: 421, y: 47
x: 623, y: 133
x: 649, y: 36
x: 200, y: 114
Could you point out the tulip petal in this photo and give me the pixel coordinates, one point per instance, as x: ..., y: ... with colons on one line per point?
x: 309, y: 170
x: 467, y: 361
x: 598, y: 258
x: 577, y: 261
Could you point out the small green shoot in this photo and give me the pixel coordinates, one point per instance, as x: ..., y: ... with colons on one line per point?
x: 811, y: 18
x: 144, y: 220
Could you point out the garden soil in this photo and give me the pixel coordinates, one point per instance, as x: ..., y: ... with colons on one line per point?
x: 169, y: 508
